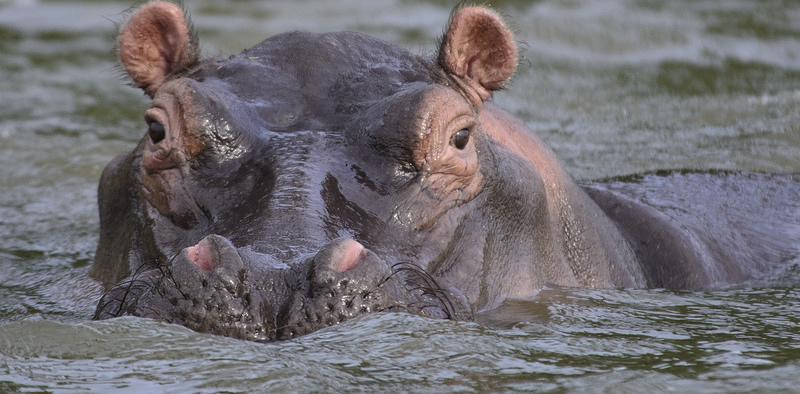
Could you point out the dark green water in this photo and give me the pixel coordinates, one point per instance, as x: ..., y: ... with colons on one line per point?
x: 615, y: 87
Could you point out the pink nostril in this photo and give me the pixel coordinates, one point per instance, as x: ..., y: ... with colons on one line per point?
x: 347, y: 256
x: 200, y: 254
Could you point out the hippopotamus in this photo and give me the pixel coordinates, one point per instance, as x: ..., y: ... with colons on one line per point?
x: 314, y: 178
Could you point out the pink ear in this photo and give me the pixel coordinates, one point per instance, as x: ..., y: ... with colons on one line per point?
x: 155, y: 43
x: 479, y: 48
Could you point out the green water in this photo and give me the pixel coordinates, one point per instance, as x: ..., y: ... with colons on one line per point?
x: 615, y: 87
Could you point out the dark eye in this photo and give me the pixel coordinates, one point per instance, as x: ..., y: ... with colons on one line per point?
x: 461, y: 138
x: 156, y: 132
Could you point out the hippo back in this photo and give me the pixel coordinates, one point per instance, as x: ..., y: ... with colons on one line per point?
x: 702, y: 230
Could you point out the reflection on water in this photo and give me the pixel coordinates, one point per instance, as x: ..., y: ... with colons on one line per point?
x: 616, y: 87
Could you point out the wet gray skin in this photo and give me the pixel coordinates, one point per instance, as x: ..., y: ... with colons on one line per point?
x: 317, y: 177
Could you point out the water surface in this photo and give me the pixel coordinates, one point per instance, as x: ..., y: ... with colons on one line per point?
x: 615, y: 87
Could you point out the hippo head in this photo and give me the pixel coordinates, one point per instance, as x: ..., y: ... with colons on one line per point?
x: 315, y: 177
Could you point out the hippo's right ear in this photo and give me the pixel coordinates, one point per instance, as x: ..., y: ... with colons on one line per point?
x: 155, y: 43
x: 478, y: 50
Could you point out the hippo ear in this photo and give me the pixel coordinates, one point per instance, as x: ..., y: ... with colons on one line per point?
x: 480, y: 49
x: 155, y: 43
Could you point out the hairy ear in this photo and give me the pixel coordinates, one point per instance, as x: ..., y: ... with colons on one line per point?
x: 155, y: 43
x: 480, y: 49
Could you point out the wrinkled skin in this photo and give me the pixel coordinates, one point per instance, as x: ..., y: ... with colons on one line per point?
x: 317, y: 177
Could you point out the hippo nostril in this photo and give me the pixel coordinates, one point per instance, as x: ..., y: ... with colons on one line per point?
x: 202, y: 255
x: 347, y: 255
x: 156, y: 132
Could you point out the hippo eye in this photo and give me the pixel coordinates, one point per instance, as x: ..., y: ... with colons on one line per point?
x: 156, y: 132
x: 461, y: 138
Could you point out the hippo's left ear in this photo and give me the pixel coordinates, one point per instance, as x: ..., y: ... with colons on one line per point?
x: 479, y: 50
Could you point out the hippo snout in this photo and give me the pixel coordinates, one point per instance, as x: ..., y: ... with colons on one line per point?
x: 214, y: 287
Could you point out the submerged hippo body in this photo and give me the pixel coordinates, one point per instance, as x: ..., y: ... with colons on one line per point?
x: 316, y: 177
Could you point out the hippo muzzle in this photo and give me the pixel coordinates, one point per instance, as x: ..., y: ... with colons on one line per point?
x: 212, y: 287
